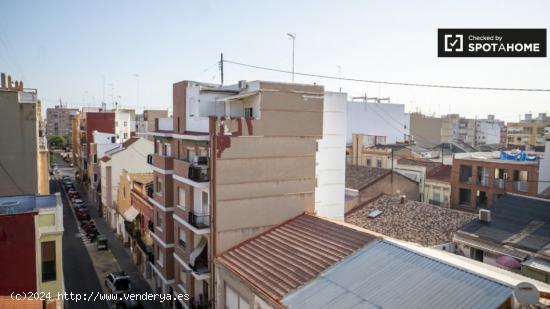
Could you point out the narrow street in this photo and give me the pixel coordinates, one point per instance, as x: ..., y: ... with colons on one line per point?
x: 80, y: 275
x: 78, y: 262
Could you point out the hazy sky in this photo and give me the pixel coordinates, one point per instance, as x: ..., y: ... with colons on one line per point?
x: 65, y: 48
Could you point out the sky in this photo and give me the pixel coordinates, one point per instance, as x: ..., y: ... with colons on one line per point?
x: 132, y: 51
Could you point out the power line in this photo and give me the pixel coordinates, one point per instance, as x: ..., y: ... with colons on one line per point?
x: 388, y: 82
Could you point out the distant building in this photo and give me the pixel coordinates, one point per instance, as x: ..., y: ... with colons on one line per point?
x: 415, y: 169
x: 125, y: 126
x: 146, y: 122
x: 372, y: 151
x: 102, y: 142
x: 437, y: 186
x: 363, y: 184
x: 528, y: 134
x: 94, y: 121
x: 378, y: 119
x: 24, y: 165
x: 59, y: 121
x: 31, y: 234
x: 517, y: 227
x: 489, y: 131
x: 480, y: 178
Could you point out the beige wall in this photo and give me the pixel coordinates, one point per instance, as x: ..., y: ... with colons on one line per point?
x: 43, y: 172
x: 124, y: 196
x: 19, y: 145
x: 426, y: 130
x: 443, y: 188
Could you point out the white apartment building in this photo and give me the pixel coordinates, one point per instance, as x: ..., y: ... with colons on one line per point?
x: 488, y: 131
x: 378, y: 119
x: 124, y: 124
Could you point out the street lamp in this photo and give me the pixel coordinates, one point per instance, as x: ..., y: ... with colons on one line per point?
x: 292, y: 36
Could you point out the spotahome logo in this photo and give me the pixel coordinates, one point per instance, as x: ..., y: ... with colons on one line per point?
x: 491, y: 42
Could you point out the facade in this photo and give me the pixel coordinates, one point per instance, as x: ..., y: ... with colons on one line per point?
x: 59, y: 121
x: 488, y: 131
x: 478, y: 179
x: 23, y: 157
x: 437, y: 186
x: 363, y: 184
x: 32, y: 231
x: 415, y: 169
x: 528, y: 134
x: 111, y: 166
x: 125, y: 124
x: 378, y: 119
x: 102, y: 142
x: 93, y: 121
x: 240, y: 151
x: 368, y: 150
x: 429, y: 131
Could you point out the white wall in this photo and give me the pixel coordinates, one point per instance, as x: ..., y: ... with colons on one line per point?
x: 383, y: 119
x: 102, y: 138
x: 133, y: 159
x: 488, y: 132
x: 124, y: 124
x: 331, y: 158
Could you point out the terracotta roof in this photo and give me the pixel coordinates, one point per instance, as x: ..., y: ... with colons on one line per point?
x: 287, y: 256
x: 413, y: 221
x: 440, y: 173
x: 129, y: 142
x: 141, y: 177
x: 419, y: 162
x: 105, y: 159
x: 359, y: 177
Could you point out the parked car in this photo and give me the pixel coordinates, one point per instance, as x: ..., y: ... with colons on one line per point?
x: 118, y: 282
x: 102, y: 243
x: 78, y: 203
x: 82, y: 214
x: 65, y: 177
x: 127, y: 303
x: 73, y: 194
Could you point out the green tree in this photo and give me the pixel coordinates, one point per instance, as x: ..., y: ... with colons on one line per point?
x: 56, y: 141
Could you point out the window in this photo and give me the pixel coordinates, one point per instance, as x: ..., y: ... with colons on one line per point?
x: 248, y: 112
x: 379, y: 163
x: 368, y: 162
x: 182, y: 237
x: 181, y: 198
x: 204, y: 202
x: 190, y: 154
x: 159, y: 221
x: 95, y: 177
x: 95, y: 157
x: 234, y: 300
x: 125, y: 135
x: 48, y: 261
x: 125, y: 123
x: 159, y: 186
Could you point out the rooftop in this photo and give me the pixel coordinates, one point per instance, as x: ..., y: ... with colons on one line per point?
x: 419, y: 162
x: 385, y: 275
x: 287, y: 256
x: 17, y: 204
x: 518, y: 222
x: 141, y: 177
x: 413, y: 221
x: 493, y: 156
x: 359, y: 177
x: 440, y: 173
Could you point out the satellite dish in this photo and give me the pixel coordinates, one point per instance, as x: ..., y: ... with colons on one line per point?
x: 526, y: 293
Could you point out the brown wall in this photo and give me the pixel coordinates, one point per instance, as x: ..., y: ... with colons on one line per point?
x: 179, y: 93
x: 386, y: 185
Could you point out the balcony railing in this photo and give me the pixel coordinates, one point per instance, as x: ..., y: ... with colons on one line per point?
x: 499, y: 183
x: 521, y: 186
x: 200, y: 221
x: 198, y: 173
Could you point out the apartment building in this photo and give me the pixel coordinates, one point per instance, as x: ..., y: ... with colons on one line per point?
x: 478, y: 179
x: 130, y: 156
x: 372, y: 151
x: 59, y: 120
x: 145, y: 122
x: 101, y: 144
x: 528, y: 134
x: 24, y: 154
x: 233, y: 162
x: 91, y: 122
x: 489, y: 131
x: 378, y: 119
x: 125, y: 124
x: 437, y: 186
x: 31, y: 229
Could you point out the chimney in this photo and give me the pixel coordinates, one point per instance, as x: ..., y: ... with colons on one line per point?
x: 3, y: 80
x: 402, y: 199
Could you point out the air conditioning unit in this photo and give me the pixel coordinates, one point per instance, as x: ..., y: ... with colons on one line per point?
x: 242, y: 84
x: 485, y: 215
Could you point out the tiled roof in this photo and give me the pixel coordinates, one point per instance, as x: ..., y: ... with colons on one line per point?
x: 440, y: 173
x: 104, y: 159
x: 419, y: 162
x: 285, y: 257
x: 359, y: 177
x: 129, y: 142
x: 141, y: 177
x: 416, y: 222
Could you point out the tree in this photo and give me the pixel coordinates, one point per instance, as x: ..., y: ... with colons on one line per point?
x: 56, y: 141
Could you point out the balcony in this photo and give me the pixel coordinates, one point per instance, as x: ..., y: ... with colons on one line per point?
x: 163, y: 162
x: 521, y: 186
x: 164, y: 124
x: 499, y: 183
x: 198, y: 173
x: 181, y: 168
x: 483, y: 180
x: 194, y: 174
x: 199, y: 221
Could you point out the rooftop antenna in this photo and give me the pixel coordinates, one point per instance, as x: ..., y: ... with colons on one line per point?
x: 292, y: 36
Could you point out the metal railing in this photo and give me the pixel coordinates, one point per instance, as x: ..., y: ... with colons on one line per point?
x: 499, y: 183
x: 198, y: 173
x: 200, y: 221
x: 521, y: 186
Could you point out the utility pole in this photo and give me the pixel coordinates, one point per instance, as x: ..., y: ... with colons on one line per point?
x: 293, y: 38
x: 221, y: 67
